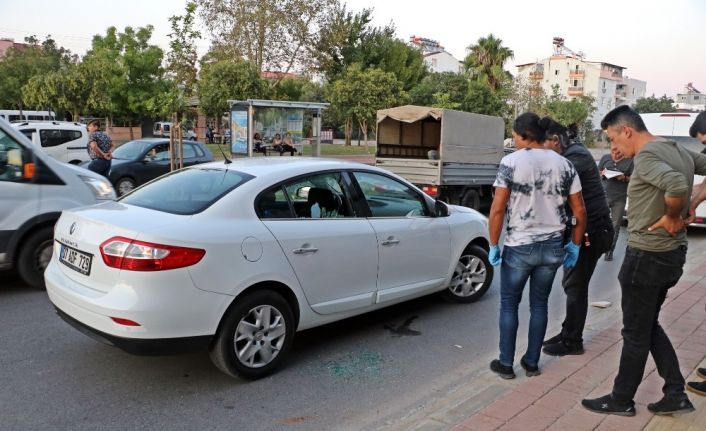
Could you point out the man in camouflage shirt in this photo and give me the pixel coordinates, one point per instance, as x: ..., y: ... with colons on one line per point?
x: 100, y: 149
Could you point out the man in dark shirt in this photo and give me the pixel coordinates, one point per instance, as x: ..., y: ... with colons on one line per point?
x: 598, y: 239
x: 616, y: 188
x: 100, y: 149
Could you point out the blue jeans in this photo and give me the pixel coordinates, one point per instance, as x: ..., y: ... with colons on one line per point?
x: 537, y: 262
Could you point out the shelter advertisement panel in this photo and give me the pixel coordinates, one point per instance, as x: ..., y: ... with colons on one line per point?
x: 269, y: 122
x: 239, y: 131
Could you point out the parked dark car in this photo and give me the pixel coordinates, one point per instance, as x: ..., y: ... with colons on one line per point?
x: 138, y: 162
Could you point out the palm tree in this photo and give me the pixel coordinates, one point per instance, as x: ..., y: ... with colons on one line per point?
x: 485, y: 61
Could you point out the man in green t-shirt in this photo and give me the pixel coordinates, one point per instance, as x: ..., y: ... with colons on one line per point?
x: 658, y: 191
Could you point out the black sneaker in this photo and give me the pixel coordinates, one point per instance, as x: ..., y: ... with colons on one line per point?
x: 530, y: 371
x: 607, y: 405
x: 701, y: 372
x: 698, y: 388
x: 609, y: 256
x: 502, y: 370
x: 554, y: 339
x: 563, y: 348
x: 671, y: 405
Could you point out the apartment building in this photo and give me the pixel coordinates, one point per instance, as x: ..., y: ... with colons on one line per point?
x: 691, y: 100
x: 576, y: 77
x: 436, y: 58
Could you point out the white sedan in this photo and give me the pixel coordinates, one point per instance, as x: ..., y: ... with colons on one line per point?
x: 239, y: 256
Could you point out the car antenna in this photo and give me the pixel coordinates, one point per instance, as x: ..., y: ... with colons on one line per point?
x: 227, y: 160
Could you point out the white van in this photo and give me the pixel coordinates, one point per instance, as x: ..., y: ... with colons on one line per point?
x: 34, y: 189
x: 14, y: 115
x: 675, y: 126
x: 162, y: 129
x: 64, y: 141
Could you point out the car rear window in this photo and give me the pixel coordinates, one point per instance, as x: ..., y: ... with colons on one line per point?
x: 187, y: 191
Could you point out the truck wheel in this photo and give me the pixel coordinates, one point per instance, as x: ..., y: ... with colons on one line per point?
x: 35, y: 255
x: 472, y: 276
x: 471, y: 199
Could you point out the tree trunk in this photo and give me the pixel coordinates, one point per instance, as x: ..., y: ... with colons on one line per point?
x: 348, y: 132
x: 364, y: 131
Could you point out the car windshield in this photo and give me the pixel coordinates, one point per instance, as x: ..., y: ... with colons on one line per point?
x: 130, y: 150
x: 187, y: 191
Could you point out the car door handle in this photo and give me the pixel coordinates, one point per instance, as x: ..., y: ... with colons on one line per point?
x: 305, y: 250
x: 390, y: 241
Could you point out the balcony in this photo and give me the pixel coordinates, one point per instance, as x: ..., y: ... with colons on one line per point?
x: 621, y: 94
x: 536, y: 75
x: 575, y: 91
x: 577, y: 74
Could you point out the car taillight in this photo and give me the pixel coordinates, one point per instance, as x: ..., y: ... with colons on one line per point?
x: 133, y: 255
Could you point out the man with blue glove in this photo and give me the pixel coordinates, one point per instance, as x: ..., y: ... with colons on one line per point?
x: 532, y: 187
x: 597, y: 241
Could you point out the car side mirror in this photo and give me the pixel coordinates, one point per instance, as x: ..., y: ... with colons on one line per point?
x: 441, y: 209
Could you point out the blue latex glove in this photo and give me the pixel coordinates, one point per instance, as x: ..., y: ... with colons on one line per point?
x: 571, y: 254
x: 494, y: 255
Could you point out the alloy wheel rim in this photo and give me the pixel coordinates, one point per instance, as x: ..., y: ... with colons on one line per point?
x: 469, y: 276
x: 125, y: 187
x: 259, y: 336
x: 43, y: 255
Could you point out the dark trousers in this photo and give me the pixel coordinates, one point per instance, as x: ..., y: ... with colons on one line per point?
x: 617, y: 210
x: 644, y: 279
x: 575, y: 283
x: 100, y: 166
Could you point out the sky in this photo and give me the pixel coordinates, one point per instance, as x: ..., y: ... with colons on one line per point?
x: 661, y: 42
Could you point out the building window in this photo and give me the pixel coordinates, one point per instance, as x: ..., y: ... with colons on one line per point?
x: 603, y: 84
x: 576, y: 83
x: 556, y: 72
x: 696, y: 97
x: 433, y: 62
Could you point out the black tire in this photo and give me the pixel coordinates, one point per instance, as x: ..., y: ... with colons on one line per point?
x: 34, y: 256
x: 471, y: 199
x: 223, y: 350
x: 472, y: 276
x: 124, y: 185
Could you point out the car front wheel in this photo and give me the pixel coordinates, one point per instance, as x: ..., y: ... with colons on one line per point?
x: 472, y: 276
x: 124, y: 185
x: 35, y: 256
x: 255, y: 336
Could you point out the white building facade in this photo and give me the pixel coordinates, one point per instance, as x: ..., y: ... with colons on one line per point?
x: 577, y: 77
x: 691, y: 100
x: 436, y: 58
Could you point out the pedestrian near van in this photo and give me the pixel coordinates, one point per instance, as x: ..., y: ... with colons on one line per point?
x: 596, y: 241
x: 616, y: 188
x: 532, y: 187
x: 100, y: 149
x: 659, y: 193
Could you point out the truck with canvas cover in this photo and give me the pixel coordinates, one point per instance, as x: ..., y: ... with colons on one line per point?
x: 451, y: 155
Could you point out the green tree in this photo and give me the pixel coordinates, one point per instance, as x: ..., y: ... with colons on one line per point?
x: 271, y: 34
x: 182, y: 56
x: 359, y: 94
x: 132, y: 67
x: 653, y: 104
x: 485, y: 60
x: 455, y: 85
x: 481, y: 99
x: 224, y: 80
x: 20, y: 65
x: 571, y: 111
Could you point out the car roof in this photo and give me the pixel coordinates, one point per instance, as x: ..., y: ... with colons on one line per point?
x: 286, y: 167
x: 50, y: 125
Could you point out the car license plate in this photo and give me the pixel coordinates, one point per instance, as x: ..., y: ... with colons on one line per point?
x: 75, y: 259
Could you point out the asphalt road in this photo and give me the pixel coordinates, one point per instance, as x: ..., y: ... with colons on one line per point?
x: 362, y: 373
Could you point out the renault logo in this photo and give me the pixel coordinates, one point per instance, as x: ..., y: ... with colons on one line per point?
x: 72, y: 229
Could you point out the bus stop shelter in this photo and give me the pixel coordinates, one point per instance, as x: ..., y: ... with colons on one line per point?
x: 271, y: 117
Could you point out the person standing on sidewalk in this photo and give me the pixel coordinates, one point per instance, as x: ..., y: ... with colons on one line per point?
x: 597, y: 240
x: 531, y: 189
x: 616, y: 189
x: 659, y: 194
x: 100, y: 149
x: 698, y: 131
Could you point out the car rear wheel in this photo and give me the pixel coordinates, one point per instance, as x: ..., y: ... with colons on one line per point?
x: 124, y: 185
x: 472, y: 276
x: 35, y: 256
x: 255, y: 336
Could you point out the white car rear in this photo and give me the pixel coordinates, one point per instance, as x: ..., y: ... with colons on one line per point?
x: 238, y: 257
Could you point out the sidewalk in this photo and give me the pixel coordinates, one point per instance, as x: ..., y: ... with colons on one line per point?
x: 552, y: 401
